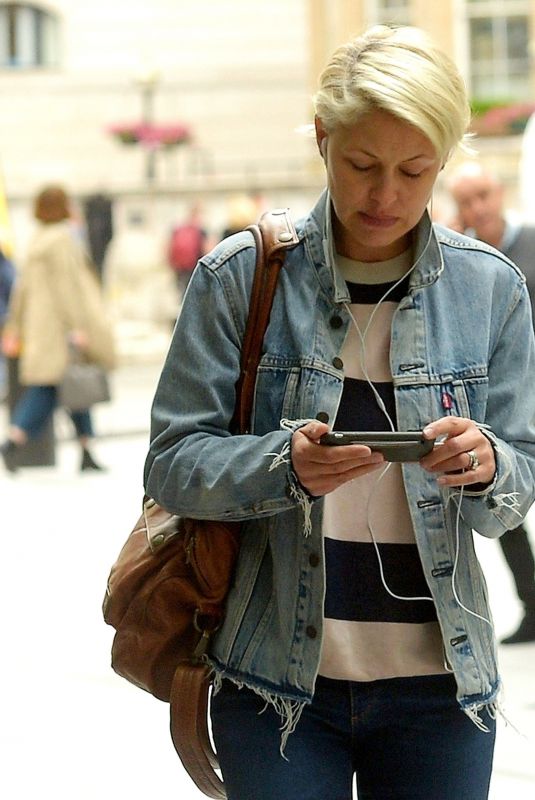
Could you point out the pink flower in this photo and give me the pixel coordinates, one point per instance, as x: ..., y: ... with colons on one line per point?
x: 503, y: 120
x: 151, y: 135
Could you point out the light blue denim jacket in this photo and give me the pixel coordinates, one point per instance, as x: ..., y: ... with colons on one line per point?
x: 464, y: 329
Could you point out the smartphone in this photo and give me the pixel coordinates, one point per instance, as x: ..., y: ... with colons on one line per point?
x: 395, y: 446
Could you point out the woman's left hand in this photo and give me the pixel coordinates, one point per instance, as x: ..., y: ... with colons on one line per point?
x: 466, y: 456
x: 10, y: 345
x: 79, y: 338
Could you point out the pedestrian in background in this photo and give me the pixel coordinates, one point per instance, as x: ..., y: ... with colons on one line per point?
x: 7, y: 278
x: 357, y: 637
x: 479, y: 198
x: 98, y: 212
x: 187, y: 243
x: 55, y: 306
x: 526, y: 174
x: 242, y: 210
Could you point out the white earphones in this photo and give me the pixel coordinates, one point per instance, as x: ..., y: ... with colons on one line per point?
x: 323, y: 148
x: 362, y: 336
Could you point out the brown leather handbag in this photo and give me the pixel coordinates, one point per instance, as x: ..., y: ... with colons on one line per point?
x: 166, y: 591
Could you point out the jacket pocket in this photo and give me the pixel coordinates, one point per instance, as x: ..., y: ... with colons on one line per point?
x: 463, y: 397
x: 275, y: 396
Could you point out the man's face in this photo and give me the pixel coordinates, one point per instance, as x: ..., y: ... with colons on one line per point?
x: 479, y: 200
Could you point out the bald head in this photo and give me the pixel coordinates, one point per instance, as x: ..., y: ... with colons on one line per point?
x: 478, y: 195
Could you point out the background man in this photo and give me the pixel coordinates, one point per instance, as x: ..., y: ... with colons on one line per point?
x: 479, y: 199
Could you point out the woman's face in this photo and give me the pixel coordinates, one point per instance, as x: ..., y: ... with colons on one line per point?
x: 380, y: 174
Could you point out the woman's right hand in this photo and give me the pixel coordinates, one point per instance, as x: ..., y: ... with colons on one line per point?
x: 323, y: 468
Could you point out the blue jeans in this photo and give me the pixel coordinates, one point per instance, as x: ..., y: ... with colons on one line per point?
x: 405, y: 738
x: 37, y: 405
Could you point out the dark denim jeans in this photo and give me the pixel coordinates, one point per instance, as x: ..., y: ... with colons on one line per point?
x: 405, y: 738
x: 35, y: 408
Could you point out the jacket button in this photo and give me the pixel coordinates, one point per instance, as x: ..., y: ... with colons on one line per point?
x: 336, y: 322
x: 311, y: 632
x: 338, y: 363
x: 322, y: 416
x: 285, y: 236
x: 313, y: 559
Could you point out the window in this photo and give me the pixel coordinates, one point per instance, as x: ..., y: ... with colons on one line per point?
x: 392, y: 12
x: 499, y: 49
x: 28, y: 36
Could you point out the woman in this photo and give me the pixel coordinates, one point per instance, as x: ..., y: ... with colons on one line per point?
x: 358, y: 620
x: 55, y: 306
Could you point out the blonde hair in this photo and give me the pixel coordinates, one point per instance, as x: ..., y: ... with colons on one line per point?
x: 401, y: 71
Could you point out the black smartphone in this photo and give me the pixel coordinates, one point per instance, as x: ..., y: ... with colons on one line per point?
x: 394, y: 445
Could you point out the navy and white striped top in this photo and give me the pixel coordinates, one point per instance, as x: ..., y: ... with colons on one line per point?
x: 368, y: 634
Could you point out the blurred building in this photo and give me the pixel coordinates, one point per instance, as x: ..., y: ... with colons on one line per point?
x: 70, y: 69
x: 237, y: 73
x: 492, y: 42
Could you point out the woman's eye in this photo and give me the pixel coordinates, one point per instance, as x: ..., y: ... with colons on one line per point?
x: 411, y: 174
x: 361, y: 168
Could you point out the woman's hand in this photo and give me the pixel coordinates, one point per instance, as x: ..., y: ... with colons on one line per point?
x: 466, y: 455
x: 10, y: 345
x: 323, y: 468
x: 79, y: 339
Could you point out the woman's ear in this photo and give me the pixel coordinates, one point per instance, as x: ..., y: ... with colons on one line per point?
x: 321, y: 138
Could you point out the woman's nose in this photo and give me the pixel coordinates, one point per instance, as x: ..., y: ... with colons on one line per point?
x: 384, y: 190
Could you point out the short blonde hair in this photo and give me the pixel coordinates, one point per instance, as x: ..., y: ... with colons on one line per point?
x: 401, y: 71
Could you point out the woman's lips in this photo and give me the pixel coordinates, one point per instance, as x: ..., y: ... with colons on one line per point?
x: 381, y: 221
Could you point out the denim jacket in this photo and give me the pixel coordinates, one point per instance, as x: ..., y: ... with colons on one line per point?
x: 463, y: 332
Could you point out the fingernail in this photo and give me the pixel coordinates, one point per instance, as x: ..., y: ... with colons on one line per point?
x: 428, y: 431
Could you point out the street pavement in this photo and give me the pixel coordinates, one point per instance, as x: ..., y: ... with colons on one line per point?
x: 70, y: 729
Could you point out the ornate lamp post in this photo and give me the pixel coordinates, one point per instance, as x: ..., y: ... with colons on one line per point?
x: 148, y: 83
x: 152, y: 136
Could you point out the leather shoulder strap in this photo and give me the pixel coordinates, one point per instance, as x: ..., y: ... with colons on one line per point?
x: 274, y: 235
x: 189, y: 728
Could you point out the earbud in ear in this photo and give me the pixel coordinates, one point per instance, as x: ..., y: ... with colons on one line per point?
x: 323, y: 148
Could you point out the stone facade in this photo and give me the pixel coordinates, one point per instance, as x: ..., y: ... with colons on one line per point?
x: 239, y: 72
x: 234, y: 71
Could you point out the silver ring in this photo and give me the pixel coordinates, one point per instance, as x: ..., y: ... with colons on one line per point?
x: 473, y: 463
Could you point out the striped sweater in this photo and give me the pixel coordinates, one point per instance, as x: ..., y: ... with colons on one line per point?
x: 368, y: 634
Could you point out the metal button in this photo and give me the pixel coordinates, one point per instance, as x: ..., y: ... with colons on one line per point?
x: 442, y: 572
x: 338, y: 363
x: 427, y: 503
x: 336, y: 321
x: 311, y: 632
x: 322, y: 416
x: 313, y: 559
